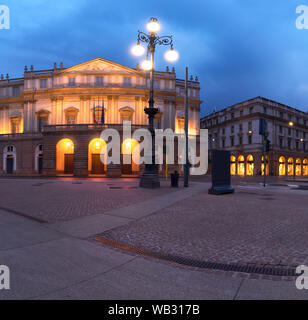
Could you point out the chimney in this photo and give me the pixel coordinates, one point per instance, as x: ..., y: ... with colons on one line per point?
x: 55, y: 65
x: 31, y: 68
x: 167, y: 69
x: 26, y: 68
x: 61, y: 65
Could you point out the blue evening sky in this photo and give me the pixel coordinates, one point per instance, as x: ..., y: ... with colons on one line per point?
x: 239, y: 49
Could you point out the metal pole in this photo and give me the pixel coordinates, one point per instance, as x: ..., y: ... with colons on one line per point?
x: 264, y: 159
x: 186, y: 167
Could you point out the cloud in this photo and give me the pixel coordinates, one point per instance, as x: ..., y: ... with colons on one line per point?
x: 239, y: 49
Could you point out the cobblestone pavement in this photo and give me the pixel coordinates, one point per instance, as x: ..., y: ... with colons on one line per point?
x: 253, y: 226
x: 61, y: 200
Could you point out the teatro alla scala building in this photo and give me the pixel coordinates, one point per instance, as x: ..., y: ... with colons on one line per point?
x: 51, y: 120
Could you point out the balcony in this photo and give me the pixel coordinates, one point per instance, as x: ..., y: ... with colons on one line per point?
x: 19, y: 135
x: 87, y: 127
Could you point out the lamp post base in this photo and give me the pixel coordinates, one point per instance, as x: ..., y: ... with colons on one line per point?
x: 149, y: 181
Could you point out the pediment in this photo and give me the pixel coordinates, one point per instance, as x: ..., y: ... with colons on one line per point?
x: 100, y: 66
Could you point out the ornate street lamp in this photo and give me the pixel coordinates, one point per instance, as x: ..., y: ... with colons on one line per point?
x: 149, y: 178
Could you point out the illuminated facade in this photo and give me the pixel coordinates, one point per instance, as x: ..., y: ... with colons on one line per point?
x: 236, y: 129
x: 51, y: 120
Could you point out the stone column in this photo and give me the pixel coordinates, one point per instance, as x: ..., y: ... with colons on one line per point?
x: 109, y: 110
x: 53, y: 119
x: 49, y: 155
x: 26, y: 116
x: 81, y: 156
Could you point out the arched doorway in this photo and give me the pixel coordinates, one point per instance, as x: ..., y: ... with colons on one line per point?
x: 233, y: 166
x: 130, y: 146
x: 305, y: 167
x: 9, y: 159
x: 298, y: 167
x: 290, y: 167
x: 39, y: 159
x: 241, y: 165
x: 65, y: 156
x: 249, y: 166
x: 95, y: 164
x: 282, y: 166
x: 266, y: 166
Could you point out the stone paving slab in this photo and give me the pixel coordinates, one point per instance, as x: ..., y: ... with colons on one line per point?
x: 141, y: 279
x: 87, y: 226
x: 270, y: 290
x: 46, y: 267
x: 18, y: 232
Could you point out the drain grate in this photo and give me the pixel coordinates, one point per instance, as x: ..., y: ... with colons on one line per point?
x: 271, y: 271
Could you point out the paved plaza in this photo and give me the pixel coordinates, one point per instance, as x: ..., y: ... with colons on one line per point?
x: 47, y: 238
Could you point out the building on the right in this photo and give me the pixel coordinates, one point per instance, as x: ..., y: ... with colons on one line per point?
x: 236, y: 128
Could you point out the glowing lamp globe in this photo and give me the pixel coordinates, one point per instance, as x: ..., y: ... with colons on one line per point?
x: 153, y: 26
x: 171, y: 55
x: 146, y: 65
x: 138, y: 50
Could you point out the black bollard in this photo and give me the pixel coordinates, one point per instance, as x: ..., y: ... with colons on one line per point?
x: 175, y: 179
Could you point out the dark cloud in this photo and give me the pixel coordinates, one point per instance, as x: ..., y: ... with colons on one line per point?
x: 239, y: 49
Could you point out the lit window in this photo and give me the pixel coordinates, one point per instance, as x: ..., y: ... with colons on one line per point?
x: 15, y: 122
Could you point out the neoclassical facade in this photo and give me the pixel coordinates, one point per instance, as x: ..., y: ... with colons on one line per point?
x: 51, y: 120
x: 236, y: 128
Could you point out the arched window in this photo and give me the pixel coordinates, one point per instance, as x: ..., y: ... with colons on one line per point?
x: 262, y: 166
x: 290, y: 167
x: 305, y: 167
x: 233, y: 166
x: 241, y: 165
x: 9, y: 159
x: 298, y: 167
x: 249, y: 165
x: 282, y: 166
x: 65, y: 156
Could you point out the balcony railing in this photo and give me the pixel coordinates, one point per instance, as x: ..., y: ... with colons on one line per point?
x: 87, y: 127
x: 19, y: 135
x: 99, y: 85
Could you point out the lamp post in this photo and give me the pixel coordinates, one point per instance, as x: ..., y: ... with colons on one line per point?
x: 150, y: 179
